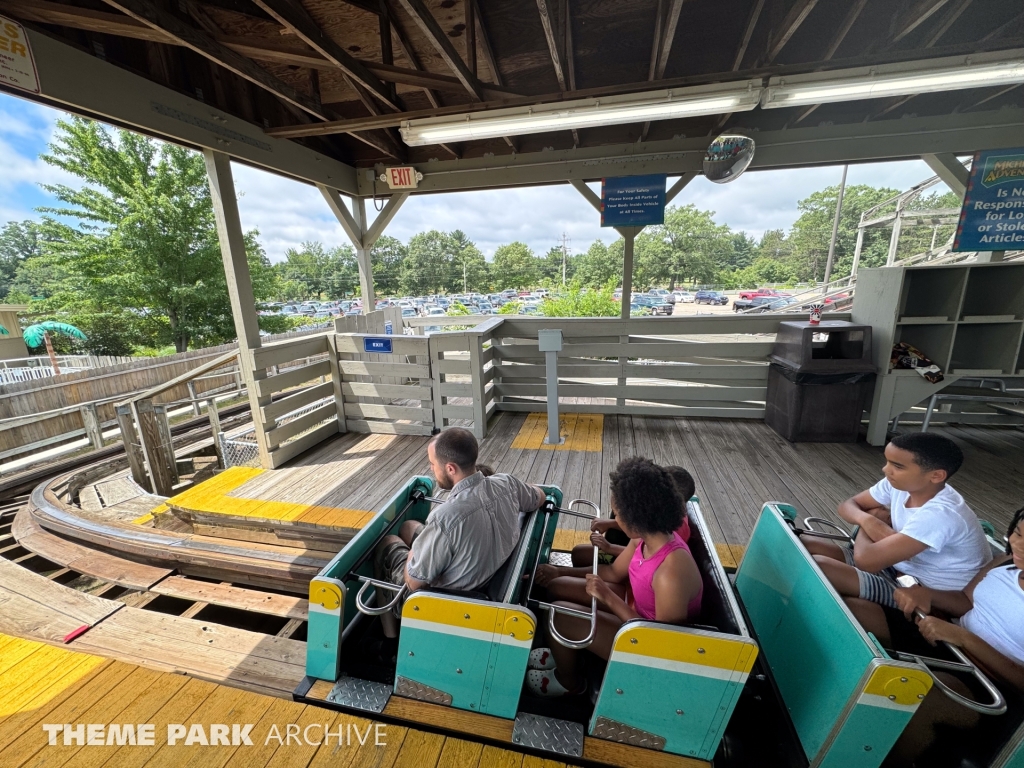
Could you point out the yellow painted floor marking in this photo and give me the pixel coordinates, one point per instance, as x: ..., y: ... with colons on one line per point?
x: 730, y: 554
x: 582, y: 432
x: 565, y: 540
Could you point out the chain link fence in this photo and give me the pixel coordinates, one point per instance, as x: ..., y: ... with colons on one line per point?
x: 241, y: 449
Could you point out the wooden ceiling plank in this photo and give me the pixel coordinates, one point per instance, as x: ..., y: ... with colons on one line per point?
x: 293, y: 16
x: 570, y: 57
x: 428, y: 25
x: 953, y: 13
x: 85, y: 19
x: 748, y: 31
x: 844, y: 29
x: 149, y: 13
x: 659, y: 16
x: 550, y: 26
x: 394, y: 147
x: 668, y: 34
x: 469, y: 10
x: 998, y: 31
x: 798, y: 12
x: 915, y: 16
x: 485, y: 46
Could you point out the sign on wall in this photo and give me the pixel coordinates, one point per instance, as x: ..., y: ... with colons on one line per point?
x: 17, y: 66
x: 992, y: 216
x: 633, y: 201
x: 377, y: 345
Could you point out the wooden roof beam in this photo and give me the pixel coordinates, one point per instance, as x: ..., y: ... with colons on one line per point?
x: 915, y: 16
x: 291, y: 15
x: 205, y: 45
x: 550, y: 25
x: 949, y: 18
x: 664, y: 33
x: 748, y: 31
x: 429, y: 26
x: 798, y: 12
x: 485, y: 46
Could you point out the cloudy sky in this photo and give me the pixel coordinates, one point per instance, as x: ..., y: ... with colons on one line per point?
x: 288, y: 213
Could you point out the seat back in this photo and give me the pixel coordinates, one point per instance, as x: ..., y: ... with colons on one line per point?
x: 504, y: 585
x: 719, y: 608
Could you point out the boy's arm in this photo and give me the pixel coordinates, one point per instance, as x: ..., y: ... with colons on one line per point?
x: 864, y: 511
x: 873, y: 556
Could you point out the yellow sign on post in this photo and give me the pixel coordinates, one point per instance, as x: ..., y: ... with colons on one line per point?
x: 17, y: 67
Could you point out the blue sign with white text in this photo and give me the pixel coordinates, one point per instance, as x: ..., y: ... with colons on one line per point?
x: 377, y: 346
x: 389, y: 329
x: 633, y: 201
x: 992, y: 217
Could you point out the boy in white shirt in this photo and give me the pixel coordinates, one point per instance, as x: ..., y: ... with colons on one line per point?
x: 911, y: 522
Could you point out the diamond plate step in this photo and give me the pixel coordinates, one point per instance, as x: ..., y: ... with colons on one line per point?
x: 562, y: 737
x: 360, y: 694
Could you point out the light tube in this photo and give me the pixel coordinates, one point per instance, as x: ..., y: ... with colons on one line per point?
x: 825, y: 88
x: 632, y: 108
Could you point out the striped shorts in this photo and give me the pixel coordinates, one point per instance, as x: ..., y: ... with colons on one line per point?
x: 875, y: 587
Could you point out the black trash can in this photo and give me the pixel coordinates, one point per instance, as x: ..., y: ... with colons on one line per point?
x: 819, y: 379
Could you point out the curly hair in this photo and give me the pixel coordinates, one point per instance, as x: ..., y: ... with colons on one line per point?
x: 646, y: 497
x: 1014, y: 522
x: 683, y: 480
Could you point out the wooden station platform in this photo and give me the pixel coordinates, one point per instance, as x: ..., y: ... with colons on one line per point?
x: 737, y: 464
x: 44, y: 684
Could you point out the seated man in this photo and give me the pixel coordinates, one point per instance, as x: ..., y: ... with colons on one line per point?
x: 911, y: 522
x: 466, y: 539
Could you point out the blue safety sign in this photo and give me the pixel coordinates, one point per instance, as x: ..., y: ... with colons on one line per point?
x: 377, y: 345
x: 633, y: 201
x: 992, y: 217
x: 389, y: 329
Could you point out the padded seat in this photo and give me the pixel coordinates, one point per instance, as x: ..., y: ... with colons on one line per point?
x: 716, y: 609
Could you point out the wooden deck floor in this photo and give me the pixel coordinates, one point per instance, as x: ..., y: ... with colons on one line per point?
x: 738, y: 465
x: 44, y: 684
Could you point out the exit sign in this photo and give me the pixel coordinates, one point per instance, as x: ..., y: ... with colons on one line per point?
x: 401, y: 177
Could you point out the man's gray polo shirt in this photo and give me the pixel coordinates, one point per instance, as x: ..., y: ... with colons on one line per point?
x: 466, y: 539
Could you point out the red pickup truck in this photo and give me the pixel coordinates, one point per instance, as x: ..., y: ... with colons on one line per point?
x: 761, y: 292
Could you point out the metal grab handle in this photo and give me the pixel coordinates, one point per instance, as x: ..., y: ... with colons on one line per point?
x: 587, y: 503
x: 362, y: 607
x: 808, y: 529
x: 552, y: 609
x: 998, y: 705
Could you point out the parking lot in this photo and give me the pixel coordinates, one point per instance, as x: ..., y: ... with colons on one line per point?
x: 705, y: 309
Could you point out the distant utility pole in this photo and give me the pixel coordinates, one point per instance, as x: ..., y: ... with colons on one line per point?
x: 835, y: 232
x: 565, y: 253
x: 464, y: 283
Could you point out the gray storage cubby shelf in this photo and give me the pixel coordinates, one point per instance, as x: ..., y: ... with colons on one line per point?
x: 989, y: 347
x: 934, y: 294
x: 936, y: 341
x: 967, y: 318
x: 995, y: 290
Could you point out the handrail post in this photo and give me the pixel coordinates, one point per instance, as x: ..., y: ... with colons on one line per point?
x: 196, y: 410
x: 161, y: 471
x: 132, y: 447
x: 214, y: 416
x: 91, y: 422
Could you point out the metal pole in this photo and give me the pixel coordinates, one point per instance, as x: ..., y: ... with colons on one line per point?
x: 628, y: 235
x: 551, y: 362
x: 856, y: 251
x: 835, y: 229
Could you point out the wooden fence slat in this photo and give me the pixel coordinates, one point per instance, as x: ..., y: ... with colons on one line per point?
x: 288, y: 404
x: 279, y: 434
x: 360, y: 368
x: 370, y: 410
x: 292, y: 378
x: 393, y: 391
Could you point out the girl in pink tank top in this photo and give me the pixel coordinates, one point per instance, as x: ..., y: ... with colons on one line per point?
x: 641, y: 578
x: 654, y: 578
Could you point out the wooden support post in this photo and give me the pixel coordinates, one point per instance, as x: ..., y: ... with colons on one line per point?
x: 240, y: 293
x: 476, y: 368
x: 435, y: 369
x: 163, y: 423
x: 211, y: 412
x: 196, y: 410
x: 159, y: 468
x: 132, y: 447
x: 339, y: 398
x: 91, y: 422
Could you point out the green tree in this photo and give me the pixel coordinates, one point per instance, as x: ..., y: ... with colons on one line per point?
x: 599, y: 264
x: 145, y: 237
x: 811, y: 232
x: 763, y: 271
x: 514, y: 266
x: 578, y: 301
x: 19, y: 240
x: 386, y: 258
x: 549, y: 266
x: 469, y: 263
x: 430, y: 265
x: 689, y: 246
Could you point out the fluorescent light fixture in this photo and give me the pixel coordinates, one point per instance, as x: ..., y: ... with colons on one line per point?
x: 584, y: 113
x: 906, y: 79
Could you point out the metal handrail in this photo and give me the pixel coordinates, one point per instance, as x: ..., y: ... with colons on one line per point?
x: 362, y: 607
x: 807, y: 529
x: 998, y: 703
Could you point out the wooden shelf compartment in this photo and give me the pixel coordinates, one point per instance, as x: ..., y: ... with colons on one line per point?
x: 932, y: 293
x: 990, y: 347
x: 934, y: 341
x: 996, y: 289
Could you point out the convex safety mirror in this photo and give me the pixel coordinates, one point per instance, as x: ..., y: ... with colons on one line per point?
x: 728, y: 157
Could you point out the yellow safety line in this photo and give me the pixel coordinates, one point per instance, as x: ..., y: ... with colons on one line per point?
x: 564, y: 540
x: 582, y: 432
x: 730, y: 554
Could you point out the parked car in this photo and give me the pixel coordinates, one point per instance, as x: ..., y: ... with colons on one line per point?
x: 662, y: 293
x: 759, y: 304
x: 485, y: 307
x: 683, y: 297
x: 711, y: 297
x: 529, y: 309
x: 659, y: 306
x: 761, y: 292
x: 639, y: 309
